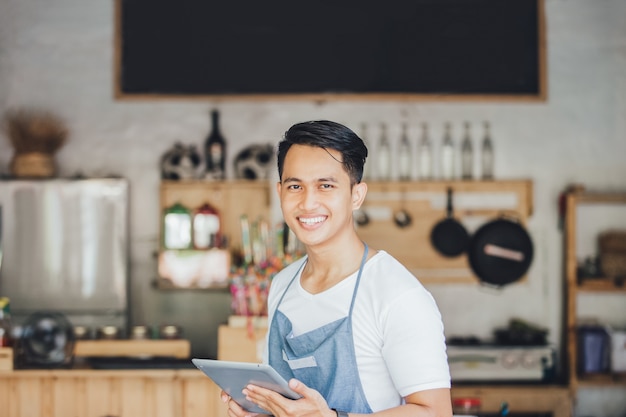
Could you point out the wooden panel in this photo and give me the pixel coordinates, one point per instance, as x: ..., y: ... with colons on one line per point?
x: 102, y: 397
x: 240, y: 344
x: 200, y: 398
x: 474, y: 203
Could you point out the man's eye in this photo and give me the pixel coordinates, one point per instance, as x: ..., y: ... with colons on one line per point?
x: 326, y: 186
x: 294, y: 187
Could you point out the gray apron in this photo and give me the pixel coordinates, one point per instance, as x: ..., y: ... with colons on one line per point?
x: 323, y: 359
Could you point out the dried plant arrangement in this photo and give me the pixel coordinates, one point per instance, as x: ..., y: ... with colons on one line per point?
x: 36, y: 135
x: 35, y: 131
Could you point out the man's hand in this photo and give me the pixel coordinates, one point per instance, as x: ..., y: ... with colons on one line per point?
x: 311, y: 404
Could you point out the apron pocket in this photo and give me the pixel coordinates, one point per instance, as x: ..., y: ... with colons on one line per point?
x: 306, y: 362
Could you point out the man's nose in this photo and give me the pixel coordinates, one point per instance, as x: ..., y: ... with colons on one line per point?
x: 309, y: 199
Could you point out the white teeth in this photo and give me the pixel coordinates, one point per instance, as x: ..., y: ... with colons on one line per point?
x: 312, y: 220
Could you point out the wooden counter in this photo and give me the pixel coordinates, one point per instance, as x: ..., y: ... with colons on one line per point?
x: 188, y: 393
x: 115, y: 393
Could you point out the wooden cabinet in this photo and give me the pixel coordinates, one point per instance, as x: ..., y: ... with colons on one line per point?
x: 231, y: 199
x: 579, y: 206
x: 88, y: 393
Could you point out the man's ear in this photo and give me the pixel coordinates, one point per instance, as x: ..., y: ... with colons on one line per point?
x: 359, y: 191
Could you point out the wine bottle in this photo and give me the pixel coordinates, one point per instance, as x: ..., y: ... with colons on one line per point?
x: 425, y: 155
x: 486, y: 156
x: 404, y: 156
x: 384, y: 155
x: 447, y: 153
x: 467, y: 155
x: 215, y: 151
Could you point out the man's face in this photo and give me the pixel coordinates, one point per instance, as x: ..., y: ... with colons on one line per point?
x: 315, y: 195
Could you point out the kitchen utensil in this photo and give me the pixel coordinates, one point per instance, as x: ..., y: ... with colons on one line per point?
x: 500, y: 252
x: 361, y: 218
x: 449, y: 237
x: 402, y: 218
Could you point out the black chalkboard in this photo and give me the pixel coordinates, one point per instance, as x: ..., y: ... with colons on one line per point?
x: 457, y: 48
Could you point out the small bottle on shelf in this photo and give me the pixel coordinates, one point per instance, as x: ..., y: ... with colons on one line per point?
x: 405, y: 155
x: 425, y: 155
x: 177, y: 227
x: 467, y: 154
x: 384, y: 155
x: 486, y: 154
x: 206, y: 227
x: 5, y: 323
x: 215, y: 151
x: 447, y: 153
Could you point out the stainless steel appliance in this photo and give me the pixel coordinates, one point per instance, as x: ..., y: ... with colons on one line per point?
x: 501, y: 363
x: 64, y: 249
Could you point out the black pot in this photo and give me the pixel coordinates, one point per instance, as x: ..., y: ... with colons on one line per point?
x: 500, y: 252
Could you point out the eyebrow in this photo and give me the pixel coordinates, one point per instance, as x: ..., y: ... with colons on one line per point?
x: 323, y: 179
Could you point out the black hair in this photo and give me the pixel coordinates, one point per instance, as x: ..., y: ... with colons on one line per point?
x: 327, y: 135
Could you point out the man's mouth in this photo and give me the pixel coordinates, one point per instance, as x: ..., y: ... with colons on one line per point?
x: 311, y: 220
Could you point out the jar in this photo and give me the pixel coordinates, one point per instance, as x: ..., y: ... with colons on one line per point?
x: 140, y: 332
x: 108, y: 332
x: 466, y: 406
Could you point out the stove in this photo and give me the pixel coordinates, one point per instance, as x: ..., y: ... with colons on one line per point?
x: 473, y: 363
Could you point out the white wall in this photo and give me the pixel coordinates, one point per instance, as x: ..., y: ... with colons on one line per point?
x: 59, y: 55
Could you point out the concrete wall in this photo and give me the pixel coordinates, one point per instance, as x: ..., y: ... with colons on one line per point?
x: 60, y: 55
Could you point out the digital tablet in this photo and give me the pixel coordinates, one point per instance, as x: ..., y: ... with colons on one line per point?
x: 232, y: 378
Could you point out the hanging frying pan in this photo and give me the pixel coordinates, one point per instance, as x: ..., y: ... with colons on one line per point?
x: 449, y: 236
x: 500, y: 252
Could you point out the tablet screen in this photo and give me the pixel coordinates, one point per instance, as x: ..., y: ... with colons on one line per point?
x: 232, y: 377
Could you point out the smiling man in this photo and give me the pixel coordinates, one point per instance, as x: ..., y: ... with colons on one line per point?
x: 351, y: 328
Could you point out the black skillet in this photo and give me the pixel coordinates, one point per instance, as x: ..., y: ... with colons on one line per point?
x: 449, y: 236
x: 500, y: 252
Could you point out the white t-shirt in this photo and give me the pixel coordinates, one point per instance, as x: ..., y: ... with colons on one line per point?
x: 397, y: 328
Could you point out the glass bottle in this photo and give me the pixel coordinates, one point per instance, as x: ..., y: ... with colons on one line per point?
x: 404, y: 156
x: 467, y: 154
x: 365, y: 138
x: 5, y: 322
x: 206, y: 227
x: 447, y: 154
x: 384, y: 155
x: 425, y: 155
x: 177, y: 227
x: 486, y: 154
x: 215, y: 151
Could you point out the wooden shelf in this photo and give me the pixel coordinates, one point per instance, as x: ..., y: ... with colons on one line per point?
x: 602, y: 379
x: 232, y: 199
x: 474, y: 203
x: 178, y: 348
x: 574, y: 286
x: 600, y: 285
